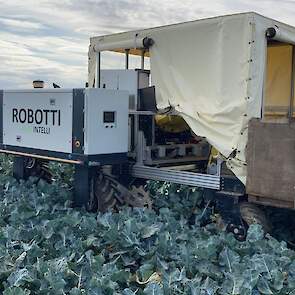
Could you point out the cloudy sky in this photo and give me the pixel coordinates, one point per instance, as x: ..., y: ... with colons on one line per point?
x: 48, y: 39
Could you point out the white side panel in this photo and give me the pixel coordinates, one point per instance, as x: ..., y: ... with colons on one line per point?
x: 119, y: 80
x: 143, y: 80
x: 130, y: 80
x: 109, y: 79
x: 101, y: 137
x: 38, y: 119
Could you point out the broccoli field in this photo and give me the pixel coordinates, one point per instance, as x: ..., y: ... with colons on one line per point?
x: 48, y: 247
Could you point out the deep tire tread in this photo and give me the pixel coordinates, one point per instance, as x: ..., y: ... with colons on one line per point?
x: 107, y: 193
x: 252, y: 214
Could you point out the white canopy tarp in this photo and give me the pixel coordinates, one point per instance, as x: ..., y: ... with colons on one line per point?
x: 202, y: 70
x: 212, y: 73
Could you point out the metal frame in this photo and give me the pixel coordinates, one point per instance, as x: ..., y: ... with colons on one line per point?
x: 181, y: 177
x: 73, y: 158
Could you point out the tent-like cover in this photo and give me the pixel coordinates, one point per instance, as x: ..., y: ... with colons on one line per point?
x: 211, y: 71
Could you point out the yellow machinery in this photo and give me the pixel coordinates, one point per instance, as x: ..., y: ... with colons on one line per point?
x: 171, y: 124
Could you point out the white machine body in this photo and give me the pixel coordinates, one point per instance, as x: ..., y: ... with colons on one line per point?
x: 39, y: 119
x: 46, y: 119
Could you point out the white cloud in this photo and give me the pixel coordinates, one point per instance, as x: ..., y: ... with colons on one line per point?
x: 16, y: 24
x: 48, y: 39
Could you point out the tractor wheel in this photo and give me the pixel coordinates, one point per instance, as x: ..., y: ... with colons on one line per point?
x: 239, y: 231
x: 37, y: 168
x: 107, y: 193
x: 252, y: 214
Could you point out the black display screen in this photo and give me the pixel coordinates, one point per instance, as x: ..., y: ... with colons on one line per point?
x: 109, y: 117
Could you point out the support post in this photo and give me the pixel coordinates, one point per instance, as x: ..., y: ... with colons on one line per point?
x: 98, y: 70
x: 82, y: 184
x: 19, y: 165
x: 291, y: 106
x: 127, y: 59
x: 142, y: 59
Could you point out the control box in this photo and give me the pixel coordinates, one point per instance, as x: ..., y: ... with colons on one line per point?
x: 106, y: 121
x: 66, y: 123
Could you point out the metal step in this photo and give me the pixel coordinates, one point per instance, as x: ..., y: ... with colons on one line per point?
x: 181, y: 177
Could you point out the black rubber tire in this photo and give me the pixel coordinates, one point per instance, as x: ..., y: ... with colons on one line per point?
x: 238, y: 230
x: 106, y: 193
x: 253, y: 214
x: 37, y: 168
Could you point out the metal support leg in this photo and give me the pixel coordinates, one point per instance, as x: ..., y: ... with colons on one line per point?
x: 140, y: 148
x: 127, y: 59
x: 82, y: 184
x: 19, y: 168
x: 291, y: 101
x: 142, y: 59
x: 98, y: 70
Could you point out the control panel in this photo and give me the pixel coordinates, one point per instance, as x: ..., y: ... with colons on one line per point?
x: 109, y: 119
